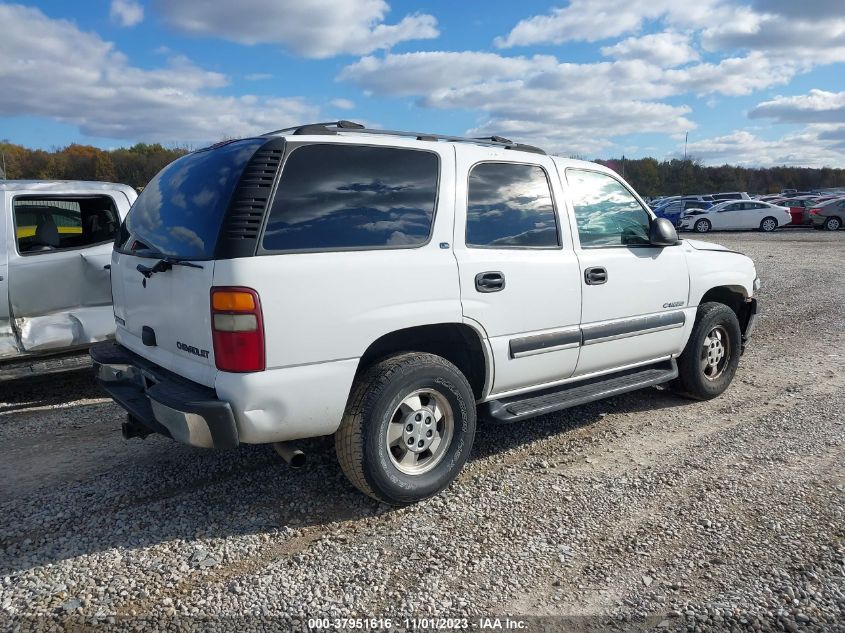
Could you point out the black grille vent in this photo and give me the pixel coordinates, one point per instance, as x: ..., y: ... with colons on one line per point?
x: 249, y: 202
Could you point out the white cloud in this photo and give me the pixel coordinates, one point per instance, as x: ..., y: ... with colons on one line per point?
x: 343, y: 104
x: 594, y: 20
x: 811, y: 147
x: 819, y: 106
x: 126, y: 12
x: 569, y: 108
x: 667, y: 49
x: 312, y: 29
x: 104, y: 95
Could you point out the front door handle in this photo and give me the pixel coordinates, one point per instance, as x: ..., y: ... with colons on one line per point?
x: 491, y: 281
x: 595, y: 276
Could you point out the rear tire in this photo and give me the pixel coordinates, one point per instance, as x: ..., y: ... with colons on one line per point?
x: 832, y: 224
x: 768, y: 225
x: 702, y: 226
x: 408, y: 428
x: 709, y: 361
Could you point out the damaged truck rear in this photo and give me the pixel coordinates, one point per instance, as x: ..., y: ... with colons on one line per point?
x: 55, y: 293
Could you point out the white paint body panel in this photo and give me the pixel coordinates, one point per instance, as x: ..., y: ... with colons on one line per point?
x: 323, y: 310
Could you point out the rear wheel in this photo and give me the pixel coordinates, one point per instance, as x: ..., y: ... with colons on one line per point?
x: 768, y: 225
x: 832, y: 224
x: 702, y: 226
x: 709, y: 361
x: 408, y: 428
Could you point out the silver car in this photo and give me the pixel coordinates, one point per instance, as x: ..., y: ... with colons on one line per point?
x: 55, y: 295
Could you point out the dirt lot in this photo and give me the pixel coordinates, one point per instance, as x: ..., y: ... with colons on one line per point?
x: 642, y: 511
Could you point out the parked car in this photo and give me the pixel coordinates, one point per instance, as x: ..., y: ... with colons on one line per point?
x: 731, y: 216
x: 731, y: 195
x: 674, y: 209
x: 799, y: 209
x: 386, y: 287
x: 829, y: 215
x: 55, y: 295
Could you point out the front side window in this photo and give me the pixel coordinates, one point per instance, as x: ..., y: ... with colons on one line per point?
x: 43, y: 225
x: 607, y: 213
x: 353, y: 197
x: 510, y: 206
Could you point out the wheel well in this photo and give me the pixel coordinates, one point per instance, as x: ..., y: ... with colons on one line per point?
x: 734, y: 299
x: 456, y: 342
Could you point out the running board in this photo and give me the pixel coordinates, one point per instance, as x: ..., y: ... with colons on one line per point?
x: 577, y: 393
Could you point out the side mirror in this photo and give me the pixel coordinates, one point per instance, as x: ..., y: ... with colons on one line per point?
x: 662, y: 233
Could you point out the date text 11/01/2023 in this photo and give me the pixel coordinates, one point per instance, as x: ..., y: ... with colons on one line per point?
x: 418, y: 624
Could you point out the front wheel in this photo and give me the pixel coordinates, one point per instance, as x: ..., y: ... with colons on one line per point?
x: 709, y: 361
x: 702, y: 226
x: 832, y: 224
x: 408, y: 428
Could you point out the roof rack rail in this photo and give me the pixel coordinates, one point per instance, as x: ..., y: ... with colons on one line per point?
x: 333, y: 127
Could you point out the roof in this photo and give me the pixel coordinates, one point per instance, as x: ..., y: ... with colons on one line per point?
x: 64, y: 186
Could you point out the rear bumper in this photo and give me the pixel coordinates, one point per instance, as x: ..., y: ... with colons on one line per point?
x: 163, y: 402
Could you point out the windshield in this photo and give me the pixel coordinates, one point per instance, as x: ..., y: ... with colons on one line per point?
x: 179, y: 213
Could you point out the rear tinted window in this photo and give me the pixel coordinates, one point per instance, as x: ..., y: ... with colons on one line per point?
x: 510, y: 206
x: 179, y: 213
x: 353, y: 196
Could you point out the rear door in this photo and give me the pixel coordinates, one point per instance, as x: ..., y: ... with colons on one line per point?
x: 177, y: 220
x: 8, y: 344
x: 518, y: 271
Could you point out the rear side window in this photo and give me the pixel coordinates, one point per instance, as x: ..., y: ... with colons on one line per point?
x: 510, y: 206
x: 44, y: 225
x: 353, y: 197
x: 179, y: 213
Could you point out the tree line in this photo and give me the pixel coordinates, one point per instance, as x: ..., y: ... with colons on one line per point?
x: 137, y: 165
x: 678, y: 177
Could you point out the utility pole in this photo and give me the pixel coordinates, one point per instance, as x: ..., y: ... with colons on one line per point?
x: 686, y: 138
x: 684, y: 166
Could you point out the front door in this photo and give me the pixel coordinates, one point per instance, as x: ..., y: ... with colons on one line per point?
x: 519, y: 274
x: 634, y: 305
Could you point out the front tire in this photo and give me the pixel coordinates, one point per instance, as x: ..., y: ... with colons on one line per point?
x: 408, y: 428
x: 832, y: 224
x: 768, y: 225
x: 702, y: 226
x: 709, y: 361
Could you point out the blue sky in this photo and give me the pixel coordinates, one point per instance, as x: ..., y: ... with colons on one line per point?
x: 755, y: 82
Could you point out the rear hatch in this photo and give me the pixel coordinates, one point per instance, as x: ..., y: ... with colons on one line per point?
x: 163, y: 263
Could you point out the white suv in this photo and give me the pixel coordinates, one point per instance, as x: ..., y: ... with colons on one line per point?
x: 388, y: 287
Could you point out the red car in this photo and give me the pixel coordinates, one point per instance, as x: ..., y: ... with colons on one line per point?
x: 799, y: 209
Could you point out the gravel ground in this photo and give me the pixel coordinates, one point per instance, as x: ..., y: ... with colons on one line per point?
x: 642, y: 512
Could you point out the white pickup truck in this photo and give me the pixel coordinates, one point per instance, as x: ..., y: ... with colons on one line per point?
x: 56, y: 239
x: 389, y: 287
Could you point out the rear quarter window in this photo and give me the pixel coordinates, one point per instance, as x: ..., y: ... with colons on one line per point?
x: 336, y: 197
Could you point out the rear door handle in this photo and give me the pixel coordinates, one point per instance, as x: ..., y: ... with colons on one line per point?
x: 491, y: 281
x: 595, y: 276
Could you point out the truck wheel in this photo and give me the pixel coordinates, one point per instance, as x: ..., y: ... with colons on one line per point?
x: 768, y: 225
x: 832, y: 224
x: 702, y: 226
x: 709, y: 361
x: 408, y: 428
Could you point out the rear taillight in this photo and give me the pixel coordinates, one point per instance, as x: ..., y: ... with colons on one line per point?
x: 237, y: 329
x: 815, y: 211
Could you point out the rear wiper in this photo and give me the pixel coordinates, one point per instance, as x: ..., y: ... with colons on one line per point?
x: 163, y: 265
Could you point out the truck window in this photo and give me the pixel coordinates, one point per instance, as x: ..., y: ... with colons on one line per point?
x: 333, y: 196
x: 510, y: 206
x: 607, y: 214
x: 45, y: 224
